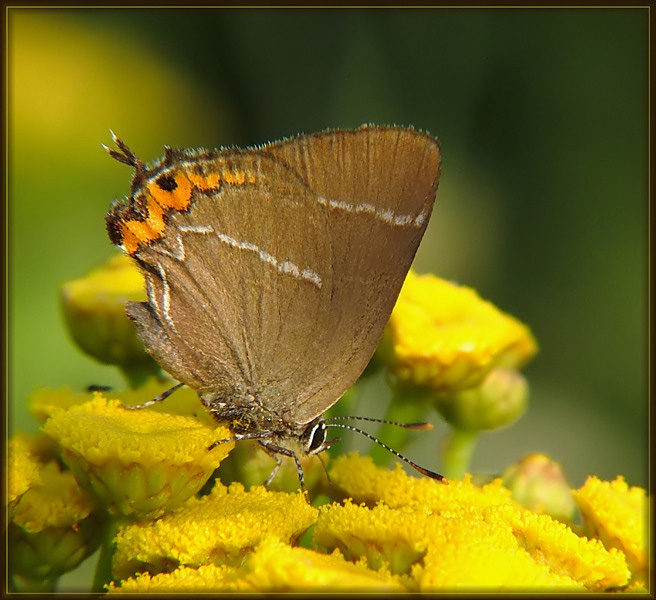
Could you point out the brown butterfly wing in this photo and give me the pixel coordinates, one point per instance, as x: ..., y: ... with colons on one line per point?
x: 234, y: 287
x: 376, y: 187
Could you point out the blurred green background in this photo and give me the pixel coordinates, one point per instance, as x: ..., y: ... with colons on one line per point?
x: 542, y: 206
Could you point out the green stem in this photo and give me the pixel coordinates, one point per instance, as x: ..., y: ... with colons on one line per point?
x: 457, y: 451
x: 103, y: 574
x: 345, y: 407
x: 408, y: 405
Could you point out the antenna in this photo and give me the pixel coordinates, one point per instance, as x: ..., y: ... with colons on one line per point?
x: 163, y: 396
x: 414, y: 465
x: 414, y: 426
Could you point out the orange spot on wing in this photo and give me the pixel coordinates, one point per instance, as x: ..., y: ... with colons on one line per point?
x: 155, y: 218
x: 235, y: 177
x: 205, y: 182
x: 178, y: 199
x: 136, y: 232
x: 129, y: 240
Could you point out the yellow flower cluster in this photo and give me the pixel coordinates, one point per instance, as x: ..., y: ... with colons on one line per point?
x: 138, y: 463
x: 445, y: 337
x: 223, y: 525
x: 395, y: 533
x: 137, y: 482
x: 618, y: 515
x: 459, y: 536
x: 271, y: 566
x: 54, y: 523
x: 23, y: 471
x: 418, y: 536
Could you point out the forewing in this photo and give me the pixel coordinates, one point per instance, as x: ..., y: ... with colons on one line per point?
x: 239, y: 284
x: 279, y: 286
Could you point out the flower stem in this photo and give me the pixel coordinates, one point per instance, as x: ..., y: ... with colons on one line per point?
x: 103, y: 574
x: 457, y: 450
x: 409, y: 405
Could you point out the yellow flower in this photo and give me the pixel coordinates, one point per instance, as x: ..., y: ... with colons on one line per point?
x: 22, y: 469
x: 459, y: 535
x: 444, y: 336
x: 272, y: 567
x: 555, y: 544
x: 44, y: 402
x: 478, y: 550
x: 397, y: 538
x: 278, y: 567
x: 54, y: 526
x: 361, y: 480
x: 139, y: 463
x: 189, y: 580
x: 618, y: 516
x: 219, y: 528
x: 94, y: 307
x: 462, y: 548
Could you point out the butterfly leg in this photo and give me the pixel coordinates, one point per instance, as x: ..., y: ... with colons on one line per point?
x: 274, y: 472
x: 277, y: 450
x: 236, y: 438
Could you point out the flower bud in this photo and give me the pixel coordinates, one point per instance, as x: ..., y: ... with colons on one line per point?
x: 538, y: 483
x: 498, y: 401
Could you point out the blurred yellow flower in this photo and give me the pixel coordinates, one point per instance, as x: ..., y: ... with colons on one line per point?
x: 54, y: 525
x: 57, y: 500
x: 618, y: 516
x: 139, y: 463
x: 221, y: 528
x: 446, y: 337
x: 44, y: 402
x: 22, y: 469
x: 94, y: 308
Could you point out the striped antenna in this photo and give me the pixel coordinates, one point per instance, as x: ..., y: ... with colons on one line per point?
x: 414, y: 426
x: 414, y: 465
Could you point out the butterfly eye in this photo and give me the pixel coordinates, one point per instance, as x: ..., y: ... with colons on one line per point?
x: 315, y: 436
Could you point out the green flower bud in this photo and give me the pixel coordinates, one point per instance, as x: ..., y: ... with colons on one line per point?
x: 538, y: 483
x: 498, y: 401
